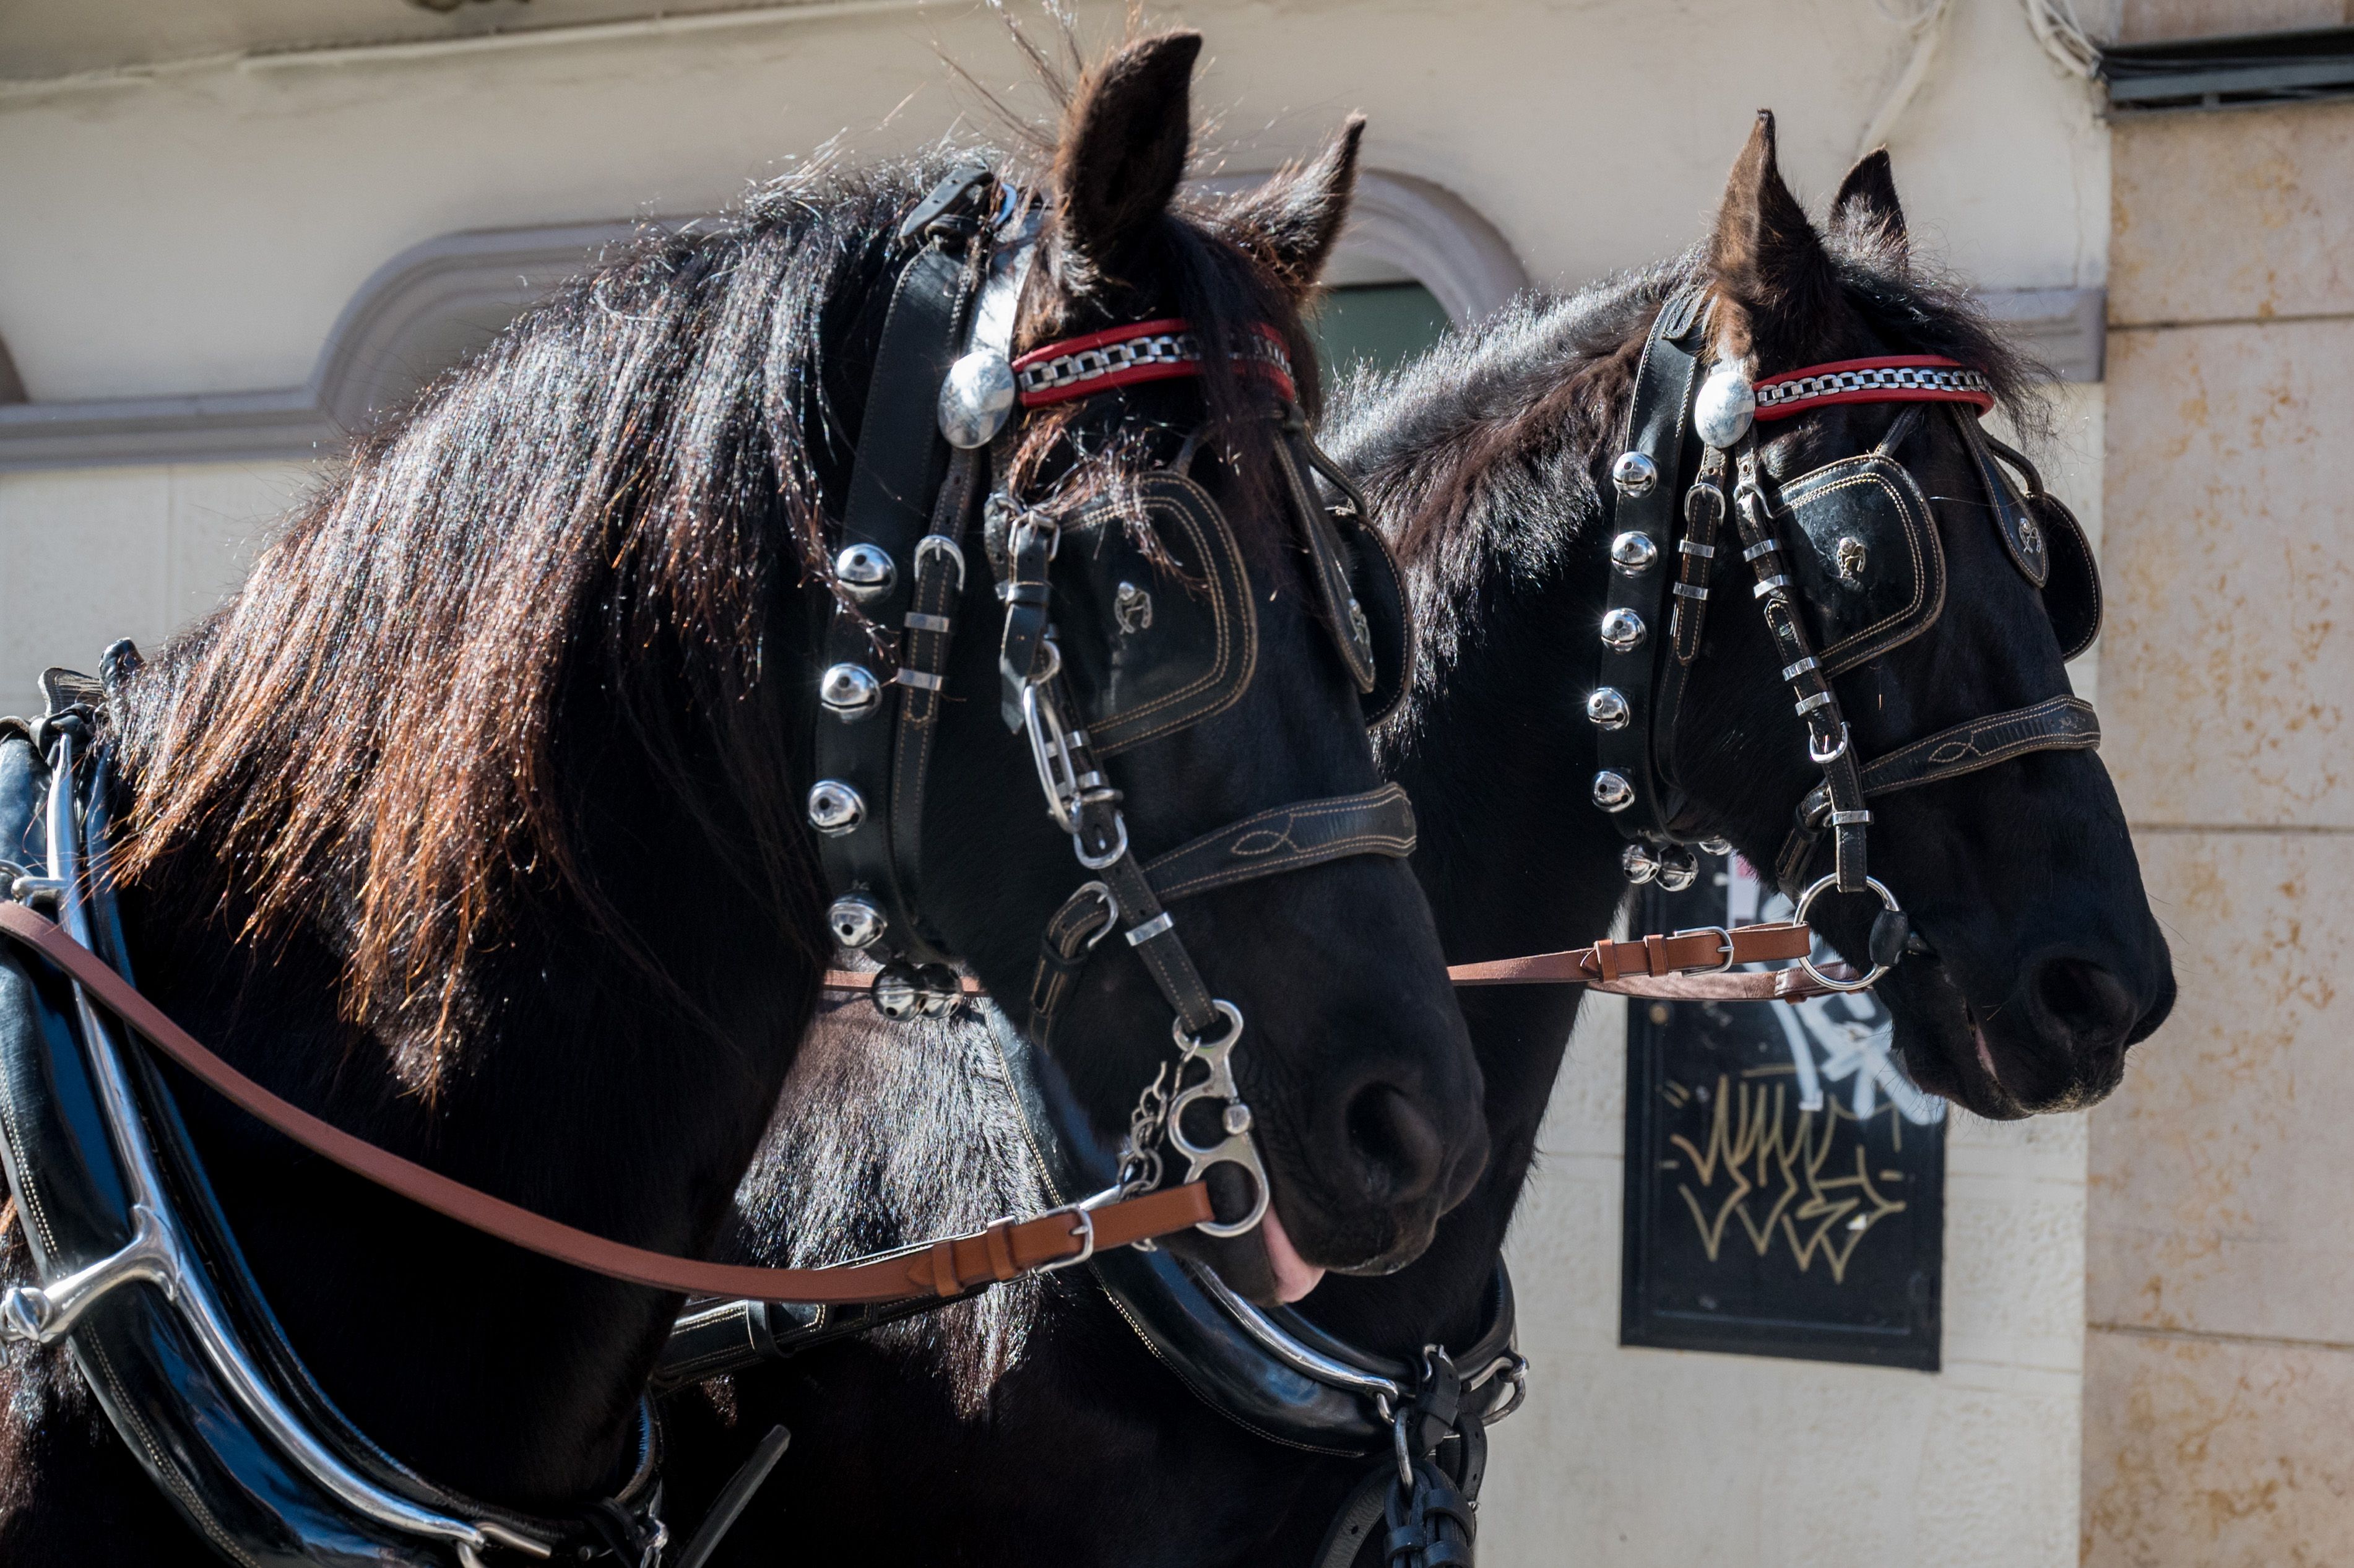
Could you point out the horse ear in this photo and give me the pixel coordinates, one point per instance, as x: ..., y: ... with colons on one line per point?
x: 1865, y: 212
x: 1290, y: 224
x: 1123, y: 148
x: 1765, y: 253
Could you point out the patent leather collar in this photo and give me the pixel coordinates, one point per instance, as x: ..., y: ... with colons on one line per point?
x: 171, y: 1331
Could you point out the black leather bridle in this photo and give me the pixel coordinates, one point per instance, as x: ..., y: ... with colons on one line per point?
x: 1679, y: 425
x: 936, y: 452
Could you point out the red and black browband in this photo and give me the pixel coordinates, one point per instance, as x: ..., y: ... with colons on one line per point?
x: 1892, y: 378
x: 1125, y: 356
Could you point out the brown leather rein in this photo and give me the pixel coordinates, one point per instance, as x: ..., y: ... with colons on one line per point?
x: 1647, y: 967
x: 1689, y: 966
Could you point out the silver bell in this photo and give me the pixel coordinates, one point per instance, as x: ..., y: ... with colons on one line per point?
x: 1677, y: 868
x: 854, y: 921
x: 897, y: 992
x: 1716, y: 847
x: 1608, y: 708
x: 1622, y: 631
x: 849, y: 691
x: 864, y: 572
x: 976, y: 399
x: 1633, y: 553
x: 940, y: 989
x: 1634, y: 474
x: 1638, y: 863
x: 834, y: 808
x: 1727, y: 408
x: 1611, y: 792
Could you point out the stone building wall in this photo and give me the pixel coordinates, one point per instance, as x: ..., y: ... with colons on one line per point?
x: 2220, y: 1357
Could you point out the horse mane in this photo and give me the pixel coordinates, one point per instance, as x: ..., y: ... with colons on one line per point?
x: 1486, y: 444
x: 608, y: 507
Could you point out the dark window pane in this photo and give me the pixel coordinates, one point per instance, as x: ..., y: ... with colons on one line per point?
x: 1383, y: 324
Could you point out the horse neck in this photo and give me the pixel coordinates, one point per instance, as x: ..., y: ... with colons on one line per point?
x: 586, y: 1090
x: 1497, y: 755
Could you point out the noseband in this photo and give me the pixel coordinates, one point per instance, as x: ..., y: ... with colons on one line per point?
x: 1841, y: 518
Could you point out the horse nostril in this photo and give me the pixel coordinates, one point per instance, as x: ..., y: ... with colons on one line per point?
x: 2086, y: 999
x: 1395, y: 1142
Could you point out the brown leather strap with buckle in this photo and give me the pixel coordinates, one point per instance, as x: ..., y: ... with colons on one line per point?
x: 944, y: 1267
x: 1665, y: 966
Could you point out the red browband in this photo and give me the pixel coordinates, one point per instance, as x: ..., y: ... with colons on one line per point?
x: 1893, y: 378
x: 1125, y: 355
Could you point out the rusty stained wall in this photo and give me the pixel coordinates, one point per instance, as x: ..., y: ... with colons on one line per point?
x: 2220, y: 1357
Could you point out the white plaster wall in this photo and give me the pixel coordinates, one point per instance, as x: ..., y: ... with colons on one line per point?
x: 197, y: 228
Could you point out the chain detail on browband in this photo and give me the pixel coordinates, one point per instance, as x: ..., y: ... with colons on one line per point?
x: 1125, y: 356
x: 1891, y: 378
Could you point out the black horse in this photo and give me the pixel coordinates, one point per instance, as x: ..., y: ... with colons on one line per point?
x: 1034, y: 1425
x: 475, y: 821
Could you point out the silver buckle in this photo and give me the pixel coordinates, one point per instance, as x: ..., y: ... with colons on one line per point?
x: 1724, y: 947
x: 1086, y: 1232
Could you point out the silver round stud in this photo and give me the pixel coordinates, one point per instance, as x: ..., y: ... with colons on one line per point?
x: 834, y: 808
x: 849, y: 691
x: 854, y: 921
x: 1238, y: 1119
x: 1633, y: 553
x: 1678, y: 869
x: 864, y: 572
x: 1611, y: 792
x: 1726, y: 407
x: 1638, y: 863
x: 1608, y: 708
x: 976, y: 399
x: 1716, y: 847
x: 1622, y: 631
x: 1634, y: 474
x: 897, y: 992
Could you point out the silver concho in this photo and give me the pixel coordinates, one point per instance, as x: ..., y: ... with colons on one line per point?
x: 854, y: 921
x: 864, y: 572
x: 1622, y: 631
x: 940, y: 990
x: 1638, y: 863
x: 976, y: 399
x: 1633, y: 553
x: 849, y: 691
x: 1678, y: 869
x: 1611, y: 792
x: 1132, y: 608
x: 1852, y: 559
x: 1608, y: 708
x: 1634, y: 474
x: 1726, y: 407
x: 834, y: 808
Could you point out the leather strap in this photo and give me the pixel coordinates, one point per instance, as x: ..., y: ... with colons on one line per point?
x: 1288, y: 838
x: 1658, y: 966
x: 891, y: 487
x: 1656, y: 424
x: 944, y: 1267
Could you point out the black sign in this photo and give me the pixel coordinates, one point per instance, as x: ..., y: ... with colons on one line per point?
x: 1785, y: 1179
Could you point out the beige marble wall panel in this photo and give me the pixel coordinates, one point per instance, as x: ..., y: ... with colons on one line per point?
x: 2226, y: 668
x: 2231, y: 217
x: 2153, y: 21
x: 2219, y: 1170
x: 2213, y: 1454
x: 88, y: 556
